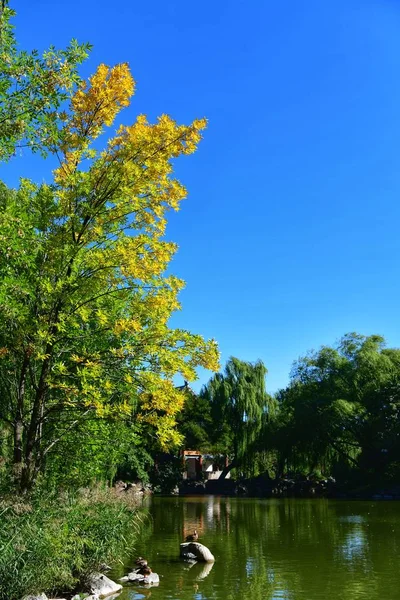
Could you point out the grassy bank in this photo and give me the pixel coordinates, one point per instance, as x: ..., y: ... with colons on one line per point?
x: 49, y: 544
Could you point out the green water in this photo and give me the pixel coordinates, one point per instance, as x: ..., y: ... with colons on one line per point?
x: 272, y: 550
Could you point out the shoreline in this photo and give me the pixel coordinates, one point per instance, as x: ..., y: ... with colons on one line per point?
x: 290, y: 488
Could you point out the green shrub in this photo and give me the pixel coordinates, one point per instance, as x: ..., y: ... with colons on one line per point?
x: 51, y: 544
x: 166, y: 473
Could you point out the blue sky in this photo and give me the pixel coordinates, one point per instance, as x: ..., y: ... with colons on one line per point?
x: 290, y: 235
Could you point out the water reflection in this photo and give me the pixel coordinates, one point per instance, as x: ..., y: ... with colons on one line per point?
x: 275, y: 550
x: 200, y: 570
x: 355, y: 544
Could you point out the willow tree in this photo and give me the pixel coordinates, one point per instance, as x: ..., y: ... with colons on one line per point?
x: 84, y: 299
x: 342, y: 409
x: 239, y: 403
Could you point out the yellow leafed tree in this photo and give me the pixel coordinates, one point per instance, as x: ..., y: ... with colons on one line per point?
x: 85, y: 329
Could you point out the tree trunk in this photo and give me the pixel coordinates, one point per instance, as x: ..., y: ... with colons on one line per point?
x: 228, y: 469
x: 18, y: 434
x: 18, y: 420
x: 32, y: 457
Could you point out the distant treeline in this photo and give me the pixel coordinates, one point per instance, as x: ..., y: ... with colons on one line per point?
x: 339, y: 415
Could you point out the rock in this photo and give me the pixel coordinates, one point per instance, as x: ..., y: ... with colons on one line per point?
x: 120, y: 486
x: 36, y: 597
x: 201, y: 552
x: 102, y: 586
x: 135, y: 576
x: 97, y: 597
x: 152, y: 579
x: 189, y: 557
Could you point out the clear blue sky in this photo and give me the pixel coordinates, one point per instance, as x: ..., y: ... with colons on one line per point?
x: 290, y: 235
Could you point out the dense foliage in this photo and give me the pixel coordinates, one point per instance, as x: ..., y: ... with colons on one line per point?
x: 84, y: 298
x: 339, y: 415
x: 341, y: 410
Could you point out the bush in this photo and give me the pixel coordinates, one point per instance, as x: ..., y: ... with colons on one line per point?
x: 166, y: 474
x: 52, y: 544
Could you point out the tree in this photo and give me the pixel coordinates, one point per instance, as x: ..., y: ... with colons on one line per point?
x: 84, y: 301
x: 342, y: 405
x: 239, y: 402
x: 32, y: 89
x: 195, y: 422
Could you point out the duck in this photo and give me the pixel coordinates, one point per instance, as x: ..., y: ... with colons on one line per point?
x: 141, y: 562
x: 145, y: 571
x: 193, y: 537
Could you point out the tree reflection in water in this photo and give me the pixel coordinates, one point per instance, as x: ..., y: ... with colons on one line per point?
x: 275, y: 549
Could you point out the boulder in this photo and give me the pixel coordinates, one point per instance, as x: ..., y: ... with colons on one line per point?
x: 200, y: 552
x: 101, y: 586
x: 36, y: 597
x: 152, y: 579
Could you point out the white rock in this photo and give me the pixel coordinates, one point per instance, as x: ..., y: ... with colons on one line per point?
x: 97, y: 597
x: 152, y: 579
x: 36, y: 597
x: 198, y: 550
x: 134, y: 576
x: 102, y: 586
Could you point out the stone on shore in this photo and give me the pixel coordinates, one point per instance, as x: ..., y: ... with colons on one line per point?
x: 200, y: 552
x: 100, y: 585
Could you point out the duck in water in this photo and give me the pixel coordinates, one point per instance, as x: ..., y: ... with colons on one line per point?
x: 193, y: 537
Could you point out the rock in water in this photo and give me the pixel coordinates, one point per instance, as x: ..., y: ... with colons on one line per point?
x: 102, y: 586
x: 151, y: 579
x: 96, y: 597
x: 202, y: 553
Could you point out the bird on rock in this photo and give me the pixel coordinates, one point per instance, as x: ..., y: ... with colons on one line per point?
x: 141, y: 562
x: 193, y: 537
x: 145, y: 571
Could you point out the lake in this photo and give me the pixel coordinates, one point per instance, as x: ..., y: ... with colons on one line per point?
x: 272, y: 549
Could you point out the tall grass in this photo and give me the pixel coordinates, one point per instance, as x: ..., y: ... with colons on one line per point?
x: 51, y: 544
